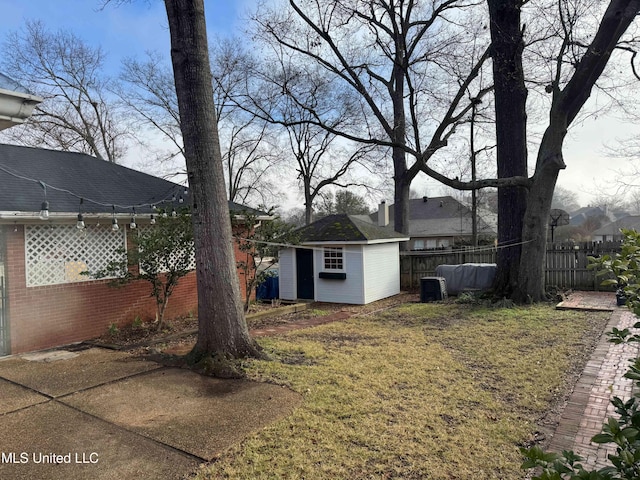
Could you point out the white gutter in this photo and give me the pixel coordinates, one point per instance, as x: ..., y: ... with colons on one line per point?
x: 34, y: 217
x: 260, y: 218
x: 16, y: 107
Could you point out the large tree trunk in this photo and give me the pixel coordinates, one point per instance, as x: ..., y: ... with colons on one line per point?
x: 531, y: 274
x: 511, y: 132
x: 401, y: 189
x: 401, y: 180
x: 308, y: 201
x: 221, y: 324
x: 567, y: 103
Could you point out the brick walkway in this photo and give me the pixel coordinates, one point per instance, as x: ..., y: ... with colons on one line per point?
x: 589, y: 405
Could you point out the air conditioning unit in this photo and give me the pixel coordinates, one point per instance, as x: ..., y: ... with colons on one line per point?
x: 432, y: 289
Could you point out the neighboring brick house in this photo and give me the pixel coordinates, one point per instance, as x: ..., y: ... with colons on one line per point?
x: 44, y: 299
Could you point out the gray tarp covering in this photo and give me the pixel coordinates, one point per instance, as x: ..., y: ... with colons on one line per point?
x: 468, y: 276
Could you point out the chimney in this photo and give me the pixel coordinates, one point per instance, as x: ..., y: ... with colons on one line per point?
x: 383, y: 214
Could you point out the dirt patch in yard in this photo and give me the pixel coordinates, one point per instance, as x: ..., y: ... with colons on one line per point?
x: 145, y: 336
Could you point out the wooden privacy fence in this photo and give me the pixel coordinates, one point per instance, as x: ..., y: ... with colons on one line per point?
x: 566, y: 263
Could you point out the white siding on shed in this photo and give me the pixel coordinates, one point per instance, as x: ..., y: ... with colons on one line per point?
x: 381, y: 271
x: 349, y: 290
x: 287, y: 274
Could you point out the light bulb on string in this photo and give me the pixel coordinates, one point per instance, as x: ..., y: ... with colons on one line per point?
x: 44, y: 207
x: 80, y: 223
x: 44, y: 211
x: 114, y: 220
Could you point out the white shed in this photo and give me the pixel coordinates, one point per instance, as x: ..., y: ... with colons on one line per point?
x: 342, y: 259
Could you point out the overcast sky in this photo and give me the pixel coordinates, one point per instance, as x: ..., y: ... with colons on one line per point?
x: 132, y: 28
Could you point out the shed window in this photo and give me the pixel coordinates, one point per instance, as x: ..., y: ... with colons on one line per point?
x: 333, y: 259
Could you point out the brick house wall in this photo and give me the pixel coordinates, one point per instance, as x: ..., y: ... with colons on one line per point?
x: 47, y: 316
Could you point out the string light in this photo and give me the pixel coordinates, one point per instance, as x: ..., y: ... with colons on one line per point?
x: 169, y: 193
x: 44, y: 213
x: 132, y: 224
x: 114, y: 221
x: 44, y: 208
x: 80, y: 223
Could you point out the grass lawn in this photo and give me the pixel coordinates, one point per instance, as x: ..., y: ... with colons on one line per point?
x: 421, y: 391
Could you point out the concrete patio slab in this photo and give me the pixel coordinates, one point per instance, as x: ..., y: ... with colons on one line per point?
x: 14, y: 397
x: 66, y: 375
x: 193, y: 413
x: 84, y: 446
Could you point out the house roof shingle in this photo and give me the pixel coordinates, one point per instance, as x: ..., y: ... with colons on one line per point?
x: 346, y: 228
x: 631, y: 222
x: 439, y: 216
x: 70, y: 176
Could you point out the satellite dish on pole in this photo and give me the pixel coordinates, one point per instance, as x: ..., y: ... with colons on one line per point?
x: 557, y: 218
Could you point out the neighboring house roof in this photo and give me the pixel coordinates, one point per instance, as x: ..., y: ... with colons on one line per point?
x: 438, y: 217
x: 347, y: 228
x: 69, y: 176
x: 631, y: 222
x: 578, y: 217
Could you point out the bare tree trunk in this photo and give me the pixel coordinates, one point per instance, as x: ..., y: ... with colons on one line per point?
x: 511, y: 131
x: 308, y: 202
x: 567, y: 103
x: 402, y: 186
x: 221, y: 325
x: 531, y: 275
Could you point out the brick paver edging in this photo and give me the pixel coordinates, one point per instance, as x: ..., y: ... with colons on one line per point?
x: 590, y: 403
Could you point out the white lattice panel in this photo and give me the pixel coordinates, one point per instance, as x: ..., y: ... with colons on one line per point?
x: 175, y: 255
x: 59, y: 253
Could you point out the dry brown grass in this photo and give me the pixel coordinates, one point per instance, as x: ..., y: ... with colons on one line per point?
x: 431, y: 391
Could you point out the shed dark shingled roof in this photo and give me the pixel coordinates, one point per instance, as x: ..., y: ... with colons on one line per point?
x: 85, y: 176
x: 345, y: 228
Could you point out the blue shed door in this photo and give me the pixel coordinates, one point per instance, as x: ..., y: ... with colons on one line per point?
x: 304, y: 273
